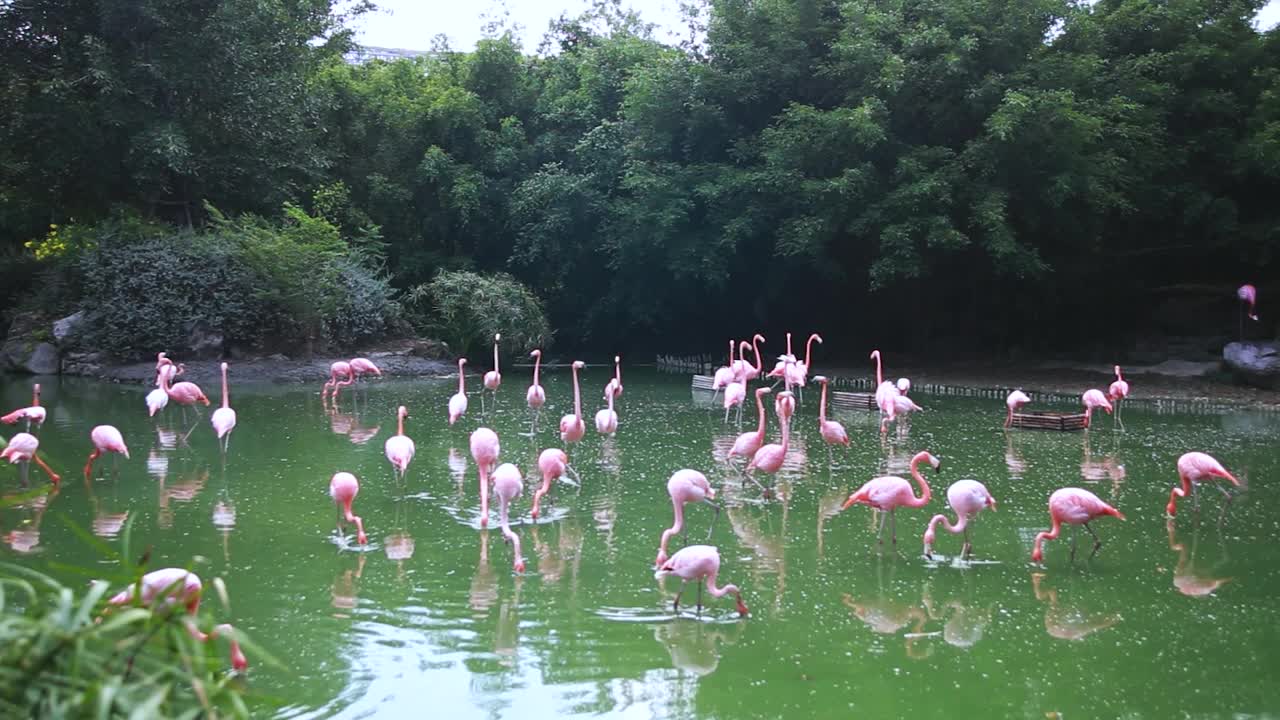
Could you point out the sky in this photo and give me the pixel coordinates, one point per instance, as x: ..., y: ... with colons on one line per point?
x: 411, y: 24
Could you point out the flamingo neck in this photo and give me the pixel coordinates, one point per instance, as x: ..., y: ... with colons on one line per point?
x: 35, y: 395
x: 719, y: 592
x: 760, y: 413
x: 788, y: 343
x: 808, y: 347
x: 226, y: 399
x: 879, y: 374
x: 400, y: 423
x: 786, y: 435
x: 1050, y: 534
x: 495, y: 356
x: 755, y: 346
x: 822, y: 406
x: 731, y: 346
x: 961, y: 522
x: 461, y: 380
x: 617, y: 370
x: 537, y: 364
x: 609, y: 398
x: 925, y: 494
x: 577, y: 396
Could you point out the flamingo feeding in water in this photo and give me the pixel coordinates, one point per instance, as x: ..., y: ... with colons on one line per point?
x: 1016, y: 400
x: 106, y: 438
x: 364, y: 366
x: 1094, y: 400
x: 607, y: 419
x: 34, y: 414
x: 724, y: 375
x: 399, y: 448
x: 889, y: 492
x: 614, y: 386
x: 182, y: 586
x: 508, y: 486
x: 552, y: 463
x: 343, y: 488
x: 1073, y: 506
x: 967, y: 498
x: 832, y: 432
x: 485, y: 450
x: 338, y: 369
x: 23, y: 447
x: 1193, y: 469
x: 458, y: 403
x: 686, y: 486
x: 224, y: 418
x: 571, y: 426
x: 769, y: 458
x: 698, y: 562
x: 748, y: 443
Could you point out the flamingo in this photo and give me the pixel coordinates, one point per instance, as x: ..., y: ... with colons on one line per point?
x: 184, y: 393
x: 967, y: 498
x: 697, y: 562
x: 800, y: 370
x: 904, y: 386
x: 399, y: 448
x: 364, y: 366
x: 743, y: 370
x: 458, y: 403
x: 35, y: 414
x: 571, y: 426
x: 224, y: 418
x: 1073, y: 506
x: 507, y: 485
x: 343, y: 487
x: 1016, y: 400
x: 536, y: 396
x: 885, y: 394
x: 485, y: 450
x: 768, y: 459
x: 832, y: 432
x: 686, y: 486
x: 784, y: 403
x: 724, y: 375
x: 493, y: 378
x: 903, y: 405
x: 1193, y: 469
x: 1093, y: 399
x: 780, y: 368
x: 736, y: 391
x: 156, y: 401
x: 748, y: 443
x: 890, y: 492
x: 1249, y: 294
x: 552, y: 463
x: 615, y: 384
x: 183, y: 586
x: 1118, y: 391
x: 607, y: 419
x: 340, y: 368
x: 106, y: 438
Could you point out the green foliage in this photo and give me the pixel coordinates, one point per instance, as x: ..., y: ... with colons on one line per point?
x: 470, y: 308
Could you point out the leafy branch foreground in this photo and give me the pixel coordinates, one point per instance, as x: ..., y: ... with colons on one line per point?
x: 68, y: 653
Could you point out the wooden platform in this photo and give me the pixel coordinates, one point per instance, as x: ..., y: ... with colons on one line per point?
x: 853, y: 401
x: 703, y: 382
x: 1049, y: 421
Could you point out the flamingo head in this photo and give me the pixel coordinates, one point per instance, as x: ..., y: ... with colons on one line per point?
x: 742, y: 609
x: 1037, y: 555
x: 578, y: 364
x: 991, y: 503
x: 820, y: 379
x: 757, y: 338
x: 403, y: 412
x: 461, y: 362
x: 535, y: 354
x: 497, y: 337
x: 238, y: 660
x: 519, y: 566
x: 617, y: 359
x: 362, y: 538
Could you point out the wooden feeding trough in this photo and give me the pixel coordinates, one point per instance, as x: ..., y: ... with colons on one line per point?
x: 1066, y: 422
x: 703, y: 382
x: 853, y: 401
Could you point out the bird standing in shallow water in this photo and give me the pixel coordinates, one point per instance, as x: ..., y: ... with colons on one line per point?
x: 1118, y: 391
x: 339, y: 369
x: 508, y: 486
x: 749, y: 443
x: 343, y: 487
x: 33, y: 414
x: 1015, y: 401
x: 106, y: 438
x: 889, y: 492
x: 832, y: 432
x: 493, y: 378
x: 967, y: 498
x: 364, y: 366
x: 1094, y: 400
x: 22, y: 447
x: 686, y: 486
x: 695, y: 563
x: 571, y: 426
x: 614, y: 387
x: 769, y: 458
x: 224, y: 418
x: 399, y: 448
x: 458, y: 403
x: 552, y: 463
x: 1074, y: 507
x: 607, y: 419
x: 535, y: 396
x: 1193, y: 469
x: 184, y: 587
x: 485, y: 450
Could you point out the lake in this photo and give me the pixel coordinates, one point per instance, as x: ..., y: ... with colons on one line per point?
x: 1170, y: 619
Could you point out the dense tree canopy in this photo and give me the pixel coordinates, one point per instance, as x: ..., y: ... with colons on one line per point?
x: 917, y: 172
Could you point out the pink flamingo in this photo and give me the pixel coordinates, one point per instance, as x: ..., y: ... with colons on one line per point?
x: 903, y: 405
x: 607, y: 419
x: 184, y: 393
x: 35, y: 414
x: 485, y: 450
x: 614, y: 387
x: 890, y: 492
x: 106, y: 438
x: 1016, y: 400
x: 535, y: 396
x: 832, y: 432
x: 1118, y: 391
x: 508, y: 486
x: 157, y: 399
x: 1094, y: 400
x: 1074, y: 507
x: 904, y: 386
x: 686, y: 486
x: 493, y: 378
x: 800, y: 370
x: 399, y: 448
x: 1193, y: 469
x: 724, y: 375
x: 886, y: 392
x: 552, y: 463
x: 967, y: 498
x: 339, y: 369
x: 224, y: 418
x: 784, y: 403
x: 343, y: 488
x: 364, y: 366
x: 744, y: 371
x: 183, y: 586
x: 571, y: 426
x: 780, y: 368
x: 769, y: 458
x: 1249, y: 294
x: 748, y: 443
x: 458, y: 403
x: 695, y: 563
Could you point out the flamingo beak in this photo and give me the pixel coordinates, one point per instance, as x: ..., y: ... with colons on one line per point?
x: 742, y: 609
x: 991, y: 503
x: 847, y: 503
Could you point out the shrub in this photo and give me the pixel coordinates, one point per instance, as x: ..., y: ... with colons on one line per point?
x: 469, y: 308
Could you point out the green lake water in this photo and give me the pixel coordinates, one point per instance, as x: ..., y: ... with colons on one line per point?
x: 430, y: 620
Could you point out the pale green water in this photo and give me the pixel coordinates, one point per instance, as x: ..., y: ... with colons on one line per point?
x: 448, y: 630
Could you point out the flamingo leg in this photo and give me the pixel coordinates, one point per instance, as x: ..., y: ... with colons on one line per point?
x: 713, y: 517
x: 675, y: 605
x: 699, y: 598
x: 968, y: 546
x: 53, y: 477
x: 893, y: 526
x: 1195, y: 496
x: 880, y: 532
x: 1097, y: 544
x: 1075, y: 535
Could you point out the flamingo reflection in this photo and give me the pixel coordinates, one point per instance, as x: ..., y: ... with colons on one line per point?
x: 484, y: 584
x: 1097, y: 470
x: 966, y: 623
x: 398, y: 544
x: 106, y: 524
x: 346, y: 587
x: 1186, y: 578
x: 1013, y: 459
x: 25, y: 538
x: 694, y: 646
x: 1066, y: 622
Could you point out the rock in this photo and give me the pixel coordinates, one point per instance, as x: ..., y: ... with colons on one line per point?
x: 44, y: 360
x: 1255, y: 363
x: 430, y: 349
x: 26, y: 350
x: 278, y: 357
x: 67, y: 327
x: 82, y: 363
x: 204, y: 342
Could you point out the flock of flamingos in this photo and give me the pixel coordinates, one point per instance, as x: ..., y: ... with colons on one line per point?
x: 697, y: 563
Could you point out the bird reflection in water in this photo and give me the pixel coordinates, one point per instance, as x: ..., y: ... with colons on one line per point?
x: 398, y: 544
x: 754, y: 530
x: 695, y: 646
x: 1013, y: 458
x: 351, y: 425
x: 484, y: 584
x: 506, y: 634
x: 889, y: 616
x: 965, y: 623
x: 25, y: 538
x: 828, y: 507
x: 566, y: 556
x: 346, y: 587
x: 1186, y: 578
x: 1066, y: 622
x: 190, y: 483
x: 1107, y: 467
x: 106, y: 523
x: 605, y: 505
